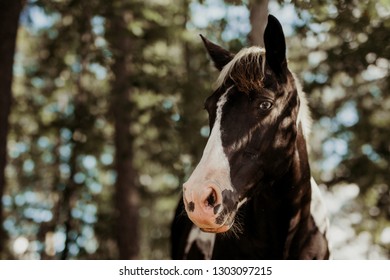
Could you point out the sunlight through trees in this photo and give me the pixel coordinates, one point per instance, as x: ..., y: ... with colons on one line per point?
x: 107, y: 118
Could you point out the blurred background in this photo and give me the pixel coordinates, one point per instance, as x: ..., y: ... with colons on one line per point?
x: 105, y: 118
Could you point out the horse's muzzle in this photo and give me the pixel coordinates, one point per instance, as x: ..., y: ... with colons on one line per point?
x: 204, y: 207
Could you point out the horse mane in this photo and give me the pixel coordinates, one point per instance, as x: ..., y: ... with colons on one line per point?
x: 246, y: 69
x: 304, y: 115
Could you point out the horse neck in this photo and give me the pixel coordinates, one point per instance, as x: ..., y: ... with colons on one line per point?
x: 299, y: 199
x: 283, y: 209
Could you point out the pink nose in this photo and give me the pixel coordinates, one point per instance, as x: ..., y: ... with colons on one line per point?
x: 203, y: 205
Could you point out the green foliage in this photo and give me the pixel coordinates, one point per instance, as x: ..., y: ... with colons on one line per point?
x: 59, y: 132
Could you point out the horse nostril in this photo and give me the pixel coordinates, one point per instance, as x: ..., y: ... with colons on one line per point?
x: 212, y: 198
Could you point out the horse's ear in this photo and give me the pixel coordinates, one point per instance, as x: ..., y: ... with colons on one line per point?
x: 275, y: 47
x: 219, y: 55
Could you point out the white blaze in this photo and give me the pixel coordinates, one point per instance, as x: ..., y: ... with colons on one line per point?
x: 214, y: 165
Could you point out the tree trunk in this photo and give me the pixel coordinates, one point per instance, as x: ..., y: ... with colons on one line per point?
x: 258, y: 20
x: 126, y: 194
x: 9, y: 21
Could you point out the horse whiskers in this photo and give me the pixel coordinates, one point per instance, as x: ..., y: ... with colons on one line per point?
x: 237, y: 228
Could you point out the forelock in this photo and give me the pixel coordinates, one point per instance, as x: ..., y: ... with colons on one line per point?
x: 246, y: 70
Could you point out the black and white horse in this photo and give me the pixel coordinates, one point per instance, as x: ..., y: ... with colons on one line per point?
x: 252, y: 196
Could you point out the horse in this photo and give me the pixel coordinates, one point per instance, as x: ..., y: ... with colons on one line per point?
x: 252, y: 196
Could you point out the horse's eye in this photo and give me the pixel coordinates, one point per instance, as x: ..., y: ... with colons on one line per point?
x: 266, y: 105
